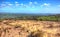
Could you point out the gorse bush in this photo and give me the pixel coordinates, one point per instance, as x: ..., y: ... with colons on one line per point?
x: 37, y: 34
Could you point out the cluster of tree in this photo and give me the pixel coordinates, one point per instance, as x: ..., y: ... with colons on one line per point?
x: 41, y: 18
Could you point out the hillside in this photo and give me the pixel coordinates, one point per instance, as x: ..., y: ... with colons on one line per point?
x: 29, y: 28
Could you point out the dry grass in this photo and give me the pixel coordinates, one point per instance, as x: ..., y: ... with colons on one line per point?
x: 29, y: 28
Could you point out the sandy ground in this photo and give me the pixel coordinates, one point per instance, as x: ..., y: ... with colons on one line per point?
x: 29, y: 28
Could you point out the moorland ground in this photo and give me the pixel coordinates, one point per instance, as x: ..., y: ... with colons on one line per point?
x: 29, y: 28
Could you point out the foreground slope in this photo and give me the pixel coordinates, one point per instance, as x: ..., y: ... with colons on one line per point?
x: 29, y: 28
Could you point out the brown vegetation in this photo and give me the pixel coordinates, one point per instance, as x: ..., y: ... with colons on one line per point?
x: 29, y: 28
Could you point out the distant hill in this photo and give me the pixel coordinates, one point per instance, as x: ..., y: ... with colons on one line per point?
x: 24, y: 16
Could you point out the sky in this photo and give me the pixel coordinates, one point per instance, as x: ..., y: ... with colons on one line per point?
x: 30, y: 6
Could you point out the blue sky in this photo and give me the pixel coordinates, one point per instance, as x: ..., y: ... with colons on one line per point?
x: 30, y: 6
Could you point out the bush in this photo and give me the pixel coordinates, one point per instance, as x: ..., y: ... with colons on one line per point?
x: 37, y: 34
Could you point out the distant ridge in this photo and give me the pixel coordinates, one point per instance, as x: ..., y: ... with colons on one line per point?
x: 26, y: 16
x: 30, y: 14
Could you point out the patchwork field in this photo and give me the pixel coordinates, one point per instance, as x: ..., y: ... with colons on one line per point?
x: 29, y: 28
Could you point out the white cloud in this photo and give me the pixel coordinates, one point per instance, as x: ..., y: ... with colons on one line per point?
x: 30, y: 3
x: 58, y: 5
x: 16, y: 2
x: 10, y: 4
x: 33, y: 7
x: 21, y: 4
x: 35, y: 2
x: 6, y: 4
x: 25, y: 6
x: 46, y: 4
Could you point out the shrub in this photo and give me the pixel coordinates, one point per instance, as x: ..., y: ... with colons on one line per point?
x: 37, y: 34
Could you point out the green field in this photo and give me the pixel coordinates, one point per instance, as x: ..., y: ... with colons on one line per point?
x: 28, y: 17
